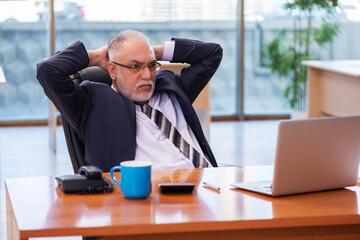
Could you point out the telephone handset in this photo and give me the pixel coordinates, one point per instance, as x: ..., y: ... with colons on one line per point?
x: 90, y: 172
x: 88, y: 180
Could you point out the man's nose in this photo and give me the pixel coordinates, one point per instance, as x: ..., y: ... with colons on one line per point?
x: 146, y: 73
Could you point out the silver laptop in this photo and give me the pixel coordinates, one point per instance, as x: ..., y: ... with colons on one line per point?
x: 313, y: 155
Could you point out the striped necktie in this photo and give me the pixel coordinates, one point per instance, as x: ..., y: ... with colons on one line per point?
x: 172, y: 133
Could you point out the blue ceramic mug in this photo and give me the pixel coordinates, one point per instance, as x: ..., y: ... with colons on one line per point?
x: 135, y: 179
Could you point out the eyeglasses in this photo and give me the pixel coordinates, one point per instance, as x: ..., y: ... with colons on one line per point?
x: 154, y: 66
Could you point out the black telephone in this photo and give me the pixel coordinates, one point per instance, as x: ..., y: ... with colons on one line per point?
x: 88, y: 180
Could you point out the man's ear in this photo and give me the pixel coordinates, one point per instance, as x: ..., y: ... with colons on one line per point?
x: 111, y: 70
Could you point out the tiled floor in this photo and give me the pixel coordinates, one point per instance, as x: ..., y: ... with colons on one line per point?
x: 25, y: 151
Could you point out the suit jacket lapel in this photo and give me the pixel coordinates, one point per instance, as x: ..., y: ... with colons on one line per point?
x: 166, y: 81
x: 131, y: 107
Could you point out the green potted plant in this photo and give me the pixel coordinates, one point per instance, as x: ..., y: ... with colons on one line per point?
x: 284, y: 54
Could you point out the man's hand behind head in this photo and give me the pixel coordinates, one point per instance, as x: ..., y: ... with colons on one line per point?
x: 159, y: 51
x: 99, y: 57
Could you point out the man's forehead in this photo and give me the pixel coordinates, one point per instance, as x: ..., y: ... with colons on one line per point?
x: 137, y: 52
x: 135, y: 44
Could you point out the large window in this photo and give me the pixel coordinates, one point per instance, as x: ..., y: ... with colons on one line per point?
x: 24, y: 41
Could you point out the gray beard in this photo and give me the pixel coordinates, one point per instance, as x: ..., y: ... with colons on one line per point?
x: 131, y: 94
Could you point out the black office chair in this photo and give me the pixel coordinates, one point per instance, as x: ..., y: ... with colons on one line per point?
x: 75, y: 146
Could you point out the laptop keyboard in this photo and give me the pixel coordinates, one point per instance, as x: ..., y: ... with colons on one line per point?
x: 262, y: 186
x: 266, y: 188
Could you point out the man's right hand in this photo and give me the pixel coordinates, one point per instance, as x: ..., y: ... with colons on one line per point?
x: 99, y: 57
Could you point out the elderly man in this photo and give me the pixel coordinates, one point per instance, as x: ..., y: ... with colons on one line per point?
x: 145, y: 114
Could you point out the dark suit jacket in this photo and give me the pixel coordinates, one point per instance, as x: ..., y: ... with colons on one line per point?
x: 106, y: 120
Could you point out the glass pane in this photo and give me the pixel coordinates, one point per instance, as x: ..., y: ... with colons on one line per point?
x: 23, y: 43
x: 95, y: 22
x: 263, y: 22
x: 346, y: 44
x: 262, y: 90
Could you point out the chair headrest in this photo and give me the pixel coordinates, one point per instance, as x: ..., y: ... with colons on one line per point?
x: 94, y: 74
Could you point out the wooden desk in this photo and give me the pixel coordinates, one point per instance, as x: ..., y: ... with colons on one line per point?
x: 37, y: 208
x: 334, y: 88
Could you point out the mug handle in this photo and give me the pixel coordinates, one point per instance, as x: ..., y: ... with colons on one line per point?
x: 112, y: 174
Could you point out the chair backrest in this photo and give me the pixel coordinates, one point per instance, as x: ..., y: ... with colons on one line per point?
x: 76, y: 147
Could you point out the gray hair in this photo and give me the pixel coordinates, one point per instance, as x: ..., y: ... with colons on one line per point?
x: 117, y: 41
